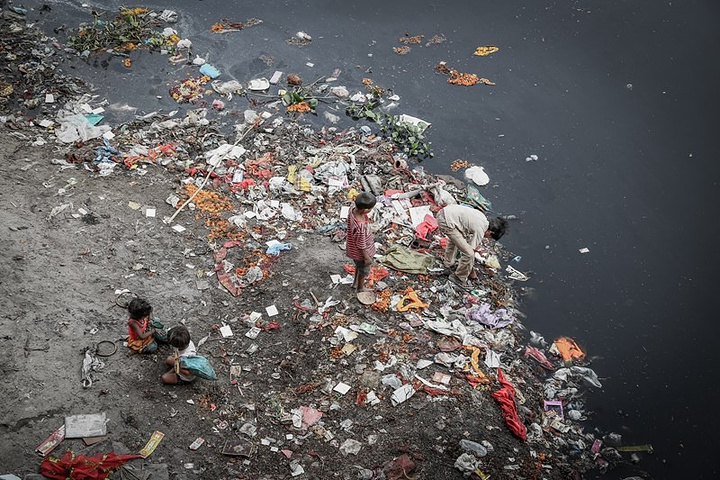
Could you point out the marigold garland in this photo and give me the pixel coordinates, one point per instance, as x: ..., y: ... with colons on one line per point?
x: 300, y: 107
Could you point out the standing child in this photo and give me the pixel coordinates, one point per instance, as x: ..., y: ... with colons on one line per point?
x: 179, y: 337
x: 360, y: 242
x: 143, y: 330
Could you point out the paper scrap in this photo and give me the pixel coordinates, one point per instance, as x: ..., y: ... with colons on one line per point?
x: 49, y: 444
x: 196, y: 444
x: 440, y: 377
x: 342, y: 388
x: 402, y: 394
x: 253, y: 332
x: 91, y: 425
x: 271, y: 310
x: 225, y: 331
x: 584, y: 250
x: 152, y: 444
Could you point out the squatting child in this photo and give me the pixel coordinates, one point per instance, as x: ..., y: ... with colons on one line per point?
x: 179, y: 337
x: 144, y: 332
x: 360, y: 244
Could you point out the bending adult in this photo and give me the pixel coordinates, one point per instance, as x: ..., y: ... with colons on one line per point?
x: 465, y: 228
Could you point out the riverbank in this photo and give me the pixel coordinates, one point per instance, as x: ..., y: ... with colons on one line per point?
x: 294, y: 388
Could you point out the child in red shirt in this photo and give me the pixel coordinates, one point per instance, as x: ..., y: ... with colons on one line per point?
x: 360, y: 245
x: 143, y: 330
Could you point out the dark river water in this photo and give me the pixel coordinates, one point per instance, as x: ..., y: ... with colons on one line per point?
x: 617, y: 99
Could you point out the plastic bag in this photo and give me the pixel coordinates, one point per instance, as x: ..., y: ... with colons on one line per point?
x: 199, y: 366
x: 475, y: 198
x: 78, y: 127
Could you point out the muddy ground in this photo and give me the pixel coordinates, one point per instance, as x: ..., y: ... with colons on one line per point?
x: 60, y: 278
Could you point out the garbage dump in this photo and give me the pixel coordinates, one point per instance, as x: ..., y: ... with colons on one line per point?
x: 307, y: 376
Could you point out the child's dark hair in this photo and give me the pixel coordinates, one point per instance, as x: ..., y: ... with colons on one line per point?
x: 179, y: 337
x: 498, y: 227
x: 139, y: 308
x: 365, y: 200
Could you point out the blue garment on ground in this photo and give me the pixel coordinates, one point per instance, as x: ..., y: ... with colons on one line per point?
x: 275, y: 249
x: 199, y: 366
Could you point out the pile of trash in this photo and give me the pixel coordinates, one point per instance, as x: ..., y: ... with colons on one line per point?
x: 260, y: 190
x: 30, y: 80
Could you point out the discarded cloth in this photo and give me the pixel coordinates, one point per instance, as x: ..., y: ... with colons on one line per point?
x: 475, y: 198
x: 276, y: 248
x: 567, y: 349
x: 426, y: 227
x: 90, y: 364
x: 482, y: 313
x: 587, y: 374
x: 410, y: 300
x: 80, y: 467
x: 406, y: 260
x: 538, y: 356
x: 506, y: 398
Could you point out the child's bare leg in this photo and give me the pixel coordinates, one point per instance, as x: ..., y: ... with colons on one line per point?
x: 170, y: 378
x: 170, y: 361
x: 355, y: 278
x: 361, y: 283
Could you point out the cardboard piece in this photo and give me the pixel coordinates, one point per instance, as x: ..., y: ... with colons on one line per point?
x: 556, y: 406
x: 93, y: 440
x: 92, y: 425
x: 237, y: 447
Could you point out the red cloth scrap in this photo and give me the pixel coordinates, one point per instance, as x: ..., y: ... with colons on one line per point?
x: 80, y: 467
x: 506, y: 398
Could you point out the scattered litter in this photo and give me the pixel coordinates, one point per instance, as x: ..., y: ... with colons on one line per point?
x: 485, y: 50
x: 342, y: 388
x: 401, y: 394
x: 225, y: 331
x: 49, y: 444
x: 350, y: 447
x: 90, y: 425
x: 196, y: 444
x: 237, y: 447
x: 258, y: 84
x: 151, y: 444
x: 209, y: 70
x: 477, y: 175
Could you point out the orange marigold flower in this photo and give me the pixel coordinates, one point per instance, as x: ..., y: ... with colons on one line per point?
x: 465, y: 79
x: 300, y: 107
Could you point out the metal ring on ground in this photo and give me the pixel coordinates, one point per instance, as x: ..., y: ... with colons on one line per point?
x: 124, y: 304
x: 97, y: 348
